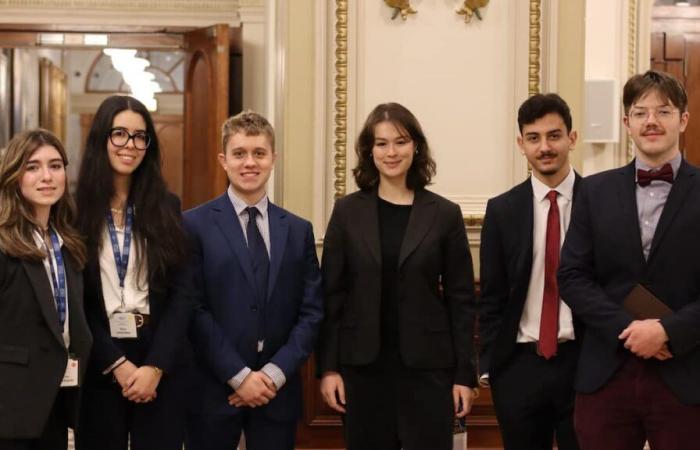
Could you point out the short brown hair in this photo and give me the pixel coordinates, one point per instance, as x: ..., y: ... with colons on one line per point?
x: 422, y: 169
x: 250, y: 123
x: 17, y: 221
x: 666, y: 85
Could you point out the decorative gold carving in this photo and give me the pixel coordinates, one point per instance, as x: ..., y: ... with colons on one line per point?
x: 341, y: 97
x: 631, y: 58
x: 533, y: 77
x: 470, y: 8
x: 474, y: 220
x: 151, y: 5
x: 402, y: 7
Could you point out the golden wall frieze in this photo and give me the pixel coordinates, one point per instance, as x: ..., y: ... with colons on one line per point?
x: 402, y: 7
x: 474, y: 220
x: 471, y: 8
x: 340, y: 104
x: 533, y: 77
x: 131, y: 5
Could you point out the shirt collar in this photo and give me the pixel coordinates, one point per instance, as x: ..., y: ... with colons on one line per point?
x: 675, y: 165
x: 39, y: 239
x: 565, y: 188
x: 240, y: 206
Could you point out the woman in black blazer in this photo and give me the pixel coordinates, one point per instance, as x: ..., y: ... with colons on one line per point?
x: 135, y: 387
x: 44, y: 337
x: 395, y: 352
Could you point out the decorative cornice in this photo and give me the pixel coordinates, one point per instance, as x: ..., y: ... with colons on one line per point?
x: 474, y: 220
x: 341, y: 97
x: 533, y: 75
x: 158, y: 5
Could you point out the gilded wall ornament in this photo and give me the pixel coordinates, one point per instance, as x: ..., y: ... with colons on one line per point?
x: 470, y: 8
x: 402, y: 7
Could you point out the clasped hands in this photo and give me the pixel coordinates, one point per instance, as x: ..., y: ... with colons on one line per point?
x: 333, y: 392
x: 646, y: 339
x: 138, y: 383
x: 256, y: 390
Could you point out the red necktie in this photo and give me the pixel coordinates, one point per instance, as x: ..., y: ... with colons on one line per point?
x: 549, y: 321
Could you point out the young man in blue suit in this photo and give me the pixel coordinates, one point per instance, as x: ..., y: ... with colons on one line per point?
x: 255, y: 274
x: 637, y: 377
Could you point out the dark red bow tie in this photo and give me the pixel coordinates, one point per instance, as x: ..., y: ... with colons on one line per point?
x: 645, y: 177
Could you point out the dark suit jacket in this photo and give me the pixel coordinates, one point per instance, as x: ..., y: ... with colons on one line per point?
x: 602, y: 260
x: 33, y: 356
x: 224, y: 330
x: 435, y: 328
x: 506, y: 264
x: 170, y: 313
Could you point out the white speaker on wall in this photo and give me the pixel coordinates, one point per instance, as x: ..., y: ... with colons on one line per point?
x: 602, y: 112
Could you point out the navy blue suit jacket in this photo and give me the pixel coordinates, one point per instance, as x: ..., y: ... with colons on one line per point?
x: 224, y: 328
x: 602, y: 260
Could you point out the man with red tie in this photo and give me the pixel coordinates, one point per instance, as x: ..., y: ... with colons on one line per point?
x: 529, y: 338
x: 637, y: 225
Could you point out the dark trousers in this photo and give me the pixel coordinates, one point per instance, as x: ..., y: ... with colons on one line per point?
x: 223, y: 432
x: 534, y: 398
x: 635, y: 406
x: 390, y: 406
x: 55, y: 434
x: 108, y: 421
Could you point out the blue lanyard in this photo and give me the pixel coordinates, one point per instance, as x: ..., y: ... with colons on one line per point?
x: 58, y: 282
x: 121, y: 258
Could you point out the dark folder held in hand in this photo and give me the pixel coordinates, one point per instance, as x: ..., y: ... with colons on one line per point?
x: 642, y: 304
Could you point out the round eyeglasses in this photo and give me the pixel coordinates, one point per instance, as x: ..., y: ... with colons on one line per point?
x: 119, y: 137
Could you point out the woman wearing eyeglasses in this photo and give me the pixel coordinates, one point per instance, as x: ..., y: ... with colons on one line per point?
x: 44, y: 337
x: 134, y: 391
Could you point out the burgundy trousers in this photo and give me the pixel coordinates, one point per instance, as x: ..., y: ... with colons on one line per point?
x: 633, y: 407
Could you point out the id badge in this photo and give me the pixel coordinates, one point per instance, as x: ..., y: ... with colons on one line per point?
x: 70, y: 377
x: 123, y: 325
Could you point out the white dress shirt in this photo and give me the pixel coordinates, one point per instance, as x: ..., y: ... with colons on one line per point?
x: 529, y: 330
x: 135, y: 289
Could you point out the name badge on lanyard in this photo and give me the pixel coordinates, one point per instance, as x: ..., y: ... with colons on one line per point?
x: 58, y: 278
x: 122, y: 324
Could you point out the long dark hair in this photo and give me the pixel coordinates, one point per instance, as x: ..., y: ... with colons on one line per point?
x: 17, y: 220
x: 155, y: 221
x: 423, y: 167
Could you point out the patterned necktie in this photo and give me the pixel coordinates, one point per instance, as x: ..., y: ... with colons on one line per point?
x: 258, y: 254
x: 549, y: 321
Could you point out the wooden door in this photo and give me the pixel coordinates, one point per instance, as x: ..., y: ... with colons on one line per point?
x: 206, y: 108
x: 679, y: 55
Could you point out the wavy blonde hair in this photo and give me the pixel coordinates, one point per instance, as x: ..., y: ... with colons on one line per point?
x: 17, y: 221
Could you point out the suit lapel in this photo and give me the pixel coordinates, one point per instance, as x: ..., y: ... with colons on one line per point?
x: 224, y: 215
x: 681, y: 186
x: 42, y: 291
x: 522, y: 220
x: 627, y: 202
x: 279, y: 227
x: 368, y: 223
x: 421, y: 219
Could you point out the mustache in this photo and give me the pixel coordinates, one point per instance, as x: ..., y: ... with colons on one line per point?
x: 547, y: 154
x: 653, y: 128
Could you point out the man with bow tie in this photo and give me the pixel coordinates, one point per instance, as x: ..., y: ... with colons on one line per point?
x: 638, y: 378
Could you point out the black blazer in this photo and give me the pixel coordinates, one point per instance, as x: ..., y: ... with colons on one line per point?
x: 170, y: 311
x: 602, y: 260
x: 435, y: 328
x: 33, y: 356
x: 505, y: 267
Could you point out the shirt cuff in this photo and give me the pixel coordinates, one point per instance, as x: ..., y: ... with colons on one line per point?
x: 114, y: 365
x: 484, y: 380
x: 275, y: 374
x: 238, y: 379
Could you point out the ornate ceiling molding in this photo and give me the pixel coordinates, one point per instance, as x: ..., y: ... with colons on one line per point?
x: 150, y: 5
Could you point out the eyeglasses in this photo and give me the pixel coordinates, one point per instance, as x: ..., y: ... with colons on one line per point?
x: 119, y: 137
x: 661, y: 113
